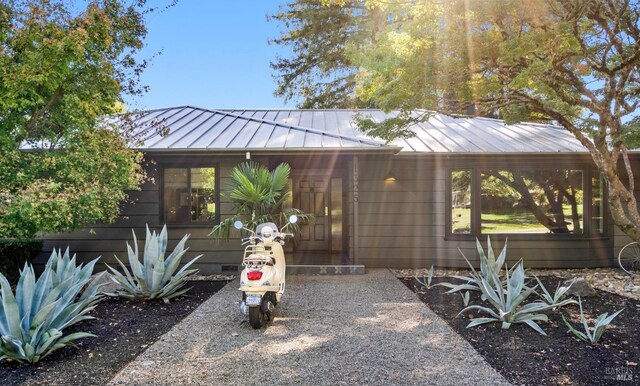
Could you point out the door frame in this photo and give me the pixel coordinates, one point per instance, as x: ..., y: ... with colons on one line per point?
x: 327, y: 176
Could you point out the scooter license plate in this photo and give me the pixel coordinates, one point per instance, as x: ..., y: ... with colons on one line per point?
x: 253, y: 300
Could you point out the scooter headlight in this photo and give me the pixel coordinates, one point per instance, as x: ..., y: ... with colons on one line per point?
x: 267, y: 232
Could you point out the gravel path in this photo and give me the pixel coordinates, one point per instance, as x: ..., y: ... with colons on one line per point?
x: 329, y: 330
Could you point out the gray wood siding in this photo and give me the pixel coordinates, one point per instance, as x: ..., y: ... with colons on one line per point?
x: 107, y: 240
x: 403, y: 224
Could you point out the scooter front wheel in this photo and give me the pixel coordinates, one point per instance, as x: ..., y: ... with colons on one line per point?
x: 256, y: 317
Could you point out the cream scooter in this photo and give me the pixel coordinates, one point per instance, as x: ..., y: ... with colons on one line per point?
x: 262, y: 280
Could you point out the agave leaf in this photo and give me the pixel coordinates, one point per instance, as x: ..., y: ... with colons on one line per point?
x: 479, y: 321
x: 491, y: 258
x: 121, y: 279
x: 157, y: 274
x: 177, y: 294
x: 173, y: 261
x: 606, y: 320
x: 575, y: 332
x: 92, y: 288
x: 10, y: 307
x: 44, y: 313
x: 24, y: 294
x: 13, y: 345
x: 188, y: 264
x: 502, y: 258
x: 43, y: 287
x: 150, y: 254
x: 464, y: 278
x: 602, y: 323
x: 162, y: 241
x: 51, y: 337
x: 535, y: 326
x: 461, y: 287
x: 480, y: 308
x: 66, y: 341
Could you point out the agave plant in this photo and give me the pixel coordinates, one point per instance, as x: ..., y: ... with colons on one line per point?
x: 558, y: 295
x: 259, y: 195
x: 490, y: 267
x: 426, y: 282
x: 507, y: 301
x: 599, y: 327
x: 33, y: 319
x: 153, y: 278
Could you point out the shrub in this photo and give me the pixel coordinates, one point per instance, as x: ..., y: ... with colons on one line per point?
x: 153, y: 278
x: 33, y: 319
x: 14, y: 254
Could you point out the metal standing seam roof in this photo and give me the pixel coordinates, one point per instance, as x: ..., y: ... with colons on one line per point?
x: 193, y: 128
x: 439, y: 134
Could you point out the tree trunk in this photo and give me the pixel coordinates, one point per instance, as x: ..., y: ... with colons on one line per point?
x: 622, y: 202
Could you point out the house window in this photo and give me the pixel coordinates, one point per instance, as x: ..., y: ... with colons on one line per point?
x: 190, y: 195
x: 597, y: 204
x: 524, y: 201
x: 461, y: 202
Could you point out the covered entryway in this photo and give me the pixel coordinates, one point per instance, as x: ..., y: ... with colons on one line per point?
x: 322, y: 194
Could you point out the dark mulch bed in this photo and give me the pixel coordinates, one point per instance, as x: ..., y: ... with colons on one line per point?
x: 124, y: 329
x: 525, y: 357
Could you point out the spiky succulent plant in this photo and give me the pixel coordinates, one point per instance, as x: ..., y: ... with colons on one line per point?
x: 153, y: 278
x: 490, y: 267
x: 33, y: 319
x: 508, y: 301
x: 594, y: 334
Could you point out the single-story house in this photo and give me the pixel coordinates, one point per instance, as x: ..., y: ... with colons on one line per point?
x: 410, y: 203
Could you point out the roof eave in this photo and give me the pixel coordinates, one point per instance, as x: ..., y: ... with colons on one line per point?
x: 231, y: 151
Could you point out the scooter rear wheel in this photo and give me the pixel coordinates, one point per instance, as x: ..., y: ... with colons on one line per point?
x: 256, y: 317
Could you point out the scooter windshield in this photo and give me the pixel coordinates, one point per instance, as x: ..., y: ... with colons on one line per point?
x: 266, y: 224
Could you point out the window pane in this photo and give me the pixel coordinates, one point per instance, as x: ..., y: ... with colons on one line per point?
x: 176, y: 195
x: 597, y: 204
x: 538, y: 201
x: 461, y: 202
x: 203, y: 194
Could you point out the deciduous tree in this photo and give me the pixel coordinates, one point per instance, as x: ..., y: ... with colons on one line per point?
x: 574, y: 63
x: 61, y: 68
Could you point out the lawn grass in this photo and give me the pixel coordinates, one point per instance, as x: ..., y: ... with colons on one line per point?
x: 517, y: 222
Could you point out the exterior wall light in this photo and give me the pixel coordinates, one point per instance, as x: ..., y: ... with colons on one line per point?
x: 390, y: 177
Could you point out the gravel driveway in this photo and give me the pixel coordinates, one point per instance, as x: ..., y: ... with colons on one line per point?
x: 329, y: 330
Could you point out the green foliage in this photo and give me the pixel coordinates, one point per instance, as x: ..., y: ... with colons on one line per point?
x: 507, y: 302
x: 573, y: 63
x: 507, y: 295
x: 14, y: 254
x: 426, y: 282
x: 490, y: 268
x: 465, y: 298
x: 61, y: 68
x: 557, y: 298
x: 318, y: 35
x: 599, y: 327
x: 153, y: 278
x: 259, y: 196
x: 33, y: 319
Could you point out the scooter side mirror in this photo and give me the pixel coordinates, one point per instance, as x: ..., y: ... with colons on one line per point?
x: 293, y: 219
x: 238, y: 225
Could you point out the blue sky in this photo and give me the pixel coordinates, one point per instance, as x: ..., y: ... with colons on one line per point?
x: 214, y: 54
